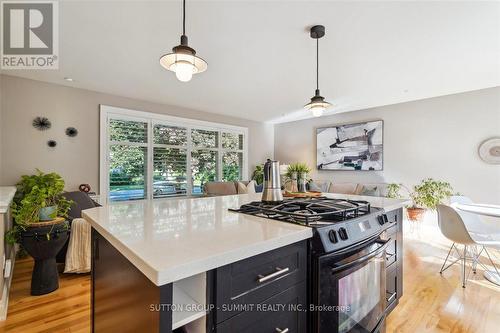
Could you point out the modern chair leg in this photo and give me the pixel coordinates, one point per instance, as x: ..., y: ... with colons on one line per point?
x: 475, y: 255
x: 491, y: 261
x: 444, y: 263
x: 463, y: 266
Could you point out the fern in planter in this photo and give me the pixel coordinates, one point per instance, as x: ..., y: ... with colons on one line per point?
x: 35, y: 192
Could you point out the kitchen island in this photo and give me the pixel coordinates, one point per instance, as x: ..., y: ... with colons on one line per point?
x: 153, y: 260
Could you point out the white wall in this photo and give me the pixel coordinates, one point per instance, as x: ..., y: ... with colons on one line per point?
x: 0, y: 130
x: 437, y: 137
x: 23, y: 148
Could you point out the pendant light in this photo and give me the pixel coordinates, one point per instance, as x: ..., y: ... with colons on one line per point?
x: 183, y: 61
x: 318, y: 104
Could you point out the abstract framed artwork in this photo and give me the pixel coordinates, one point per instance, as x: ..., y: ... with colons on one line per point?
x: 358, y: 146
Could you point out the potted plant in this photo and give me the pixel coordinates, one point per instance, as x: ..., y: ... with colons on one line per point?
x: 426, y: 195
x: 258, y: 174
x: 39, y: 211
x: 296, y: 173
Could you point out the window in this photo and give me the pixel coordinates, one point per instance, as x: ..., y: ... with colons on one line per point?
x: 145, y: 155
x: 127, y: 159
x: 169, y: 161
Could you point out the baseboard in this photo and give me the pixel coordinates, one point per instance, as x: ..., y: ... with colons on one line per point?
x: 4, y: 301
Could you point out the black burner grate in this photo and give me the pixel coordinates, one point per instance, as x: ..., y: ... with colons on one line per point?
x: 308, y: 211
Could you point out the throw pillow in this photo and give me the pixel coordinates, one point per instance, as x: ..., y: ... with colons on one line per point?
x: 246, y: 189
x: 318, y: 186
x: 371, y: 191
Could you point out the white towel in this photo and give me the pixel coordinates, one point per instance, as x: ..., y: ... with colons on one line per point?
x: 78, y: 255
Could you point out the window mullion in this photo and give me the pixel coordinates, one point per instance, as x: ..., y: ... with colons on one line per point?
x: 219, y: 158
x: 150, y: 166
x: 189, y: 183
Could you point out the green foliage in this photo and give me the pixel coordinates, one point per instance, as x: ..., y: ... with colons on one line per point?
x: 35, y: 192
x: 430, y: 193
x: 298, y: 167
x: 393, y: 191
x: 258, y: 174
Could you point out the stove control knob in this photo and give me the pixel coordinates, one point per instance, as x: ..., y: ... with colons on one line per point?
x: 381, y: 220
x: 343, y: 234
x: 332, y: 234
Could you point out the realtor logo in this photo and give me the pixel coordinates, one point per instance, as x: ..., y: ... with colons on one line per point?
x: 29, y: 35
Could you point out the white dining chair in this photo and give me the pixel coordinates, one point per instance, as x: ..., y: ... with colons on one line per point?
x: 453, y: 226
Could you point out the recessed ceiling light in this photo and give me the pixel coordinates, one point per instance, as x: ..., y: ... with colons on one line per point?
x: 68, y: 79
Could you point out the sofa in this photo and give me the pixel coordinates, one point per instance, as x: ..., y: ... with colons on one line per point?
x: 368, y: 189
x: 230, y: 188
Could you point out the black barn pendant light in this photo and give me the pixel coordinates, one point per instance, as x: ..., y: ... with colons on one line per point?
x: 183, y: 61
x: 318, y: 104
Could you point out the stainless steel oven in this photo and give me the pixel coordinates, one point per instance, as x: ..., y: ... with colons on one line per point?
x: 349, y: 289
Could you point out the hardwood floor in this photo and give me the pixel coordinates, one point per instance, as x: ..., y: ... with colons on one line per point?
x: 431, y: 303
x: 435, y: 303
x: 65, y: 310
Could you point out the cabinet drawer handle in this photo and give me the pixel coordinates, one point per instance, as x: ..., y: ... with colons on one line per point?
x: 390, y: 297
x: 282, y: 331
x: 279, y: 271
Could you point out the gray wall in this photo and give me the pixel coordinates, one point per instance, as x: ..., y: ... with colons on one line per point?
x: 437, y: 137
x: 77, y: 159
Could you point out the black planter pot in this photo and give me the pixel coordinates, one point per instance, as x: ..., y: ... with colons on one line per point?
x: 45, y: 278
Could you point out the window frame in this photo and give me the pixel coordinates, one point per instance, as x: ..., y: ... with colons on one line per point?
x: 110, y: 112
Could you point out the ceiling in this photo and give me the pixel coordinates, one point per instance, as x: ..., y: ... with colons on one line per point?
x: 261, y: 60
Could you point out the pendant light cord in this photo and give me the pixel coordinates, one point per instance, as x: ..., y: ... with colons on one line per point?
x: 184, y: 17
x: 317, y: 63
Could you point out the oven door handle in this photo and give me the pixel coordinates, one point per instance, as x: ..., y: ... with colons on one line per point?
x: 379, y: 326
x: 359, y: 245
x: 370, y: 255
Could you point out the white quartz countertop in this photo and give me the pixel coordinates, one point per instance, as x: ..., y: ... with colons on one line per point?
x: 387, y: 204
x: 6, y: 196
x: 172, y: 239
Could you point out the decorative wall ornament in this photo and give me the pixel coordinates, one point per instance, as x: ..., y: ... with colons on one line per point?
x: 489, y: 151
x: 52, y: 143
x: 41, y: 123
x: 71, y: 132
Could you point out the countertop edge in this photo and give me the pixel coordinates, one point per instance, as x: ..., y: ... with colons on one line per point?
x: 137, y: 261
x: 230, y: 257
x: 208, y: 263
x: 11, y: 191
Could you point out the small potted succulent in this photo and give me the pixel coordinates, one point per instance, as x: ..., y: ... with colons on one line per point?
x: 39, y: 210
x: 426, y: 195
x: 297, y: 173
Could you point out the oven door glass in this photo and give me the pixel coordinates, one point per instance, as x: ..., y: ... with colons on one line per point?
x: 360, y: 297
x: 351, y: 290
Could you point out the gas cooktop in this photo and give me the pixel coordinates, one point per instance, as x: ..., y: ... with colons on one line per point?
x: 313, y: 212
x: 337, y: 223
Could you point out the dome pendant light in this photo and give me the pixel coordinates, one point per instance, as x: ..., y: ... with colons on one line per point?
x: 183, y: 61
x: 318, y: 104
